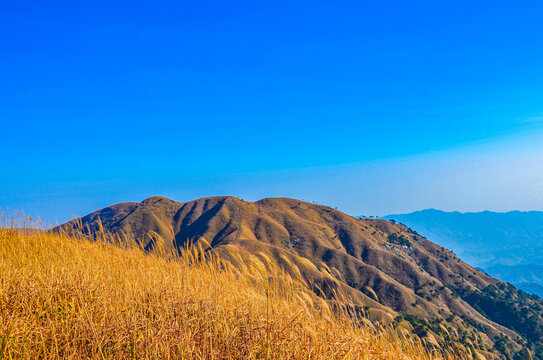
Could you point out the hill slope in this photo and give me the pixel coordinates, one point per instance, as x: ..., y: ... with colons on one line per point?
x: 506, y: 245
x: 71, y: 298
x: 393, y: 273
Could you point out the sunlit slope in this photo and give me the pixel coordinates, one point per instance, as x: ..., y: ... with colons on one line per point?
x: 66, y: 297
x: 389, y: 270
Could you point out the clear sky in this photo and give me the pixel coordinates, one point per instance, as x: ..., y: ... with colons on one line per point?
x: 374, y: 107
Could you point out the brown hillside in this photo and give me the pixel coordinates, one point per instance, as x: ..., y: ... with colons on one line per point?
x: 386, y: 268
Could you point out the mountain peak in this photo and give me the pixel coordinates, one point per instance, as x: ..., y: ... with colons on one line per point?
x: 154, y: 199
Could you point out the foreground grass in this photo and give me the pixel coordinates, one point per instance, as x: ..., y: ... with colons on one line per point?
x: 71, y: 298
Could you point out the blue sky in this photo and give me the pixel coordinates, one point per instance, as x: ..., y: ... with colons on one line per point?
x: 373, y: 107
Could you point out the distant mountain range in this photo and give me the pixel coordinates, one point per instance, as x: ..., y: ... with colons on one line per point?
x: 508, y: 245
x: 391, y: 273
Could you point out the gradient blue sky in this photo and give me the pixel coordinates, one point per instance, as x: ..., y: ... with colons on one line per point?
x: 373, y: 107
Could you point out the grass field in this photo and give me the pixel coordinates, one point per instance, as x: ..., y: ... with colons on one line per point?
x: 71, y: 298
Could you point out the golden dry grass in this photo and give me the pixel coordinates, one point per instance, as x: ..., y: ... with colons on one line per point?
x: 71, y: 298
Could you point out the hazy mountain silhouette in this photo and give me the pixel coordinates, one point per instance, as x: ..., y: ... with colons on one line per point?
x: 506, y: 245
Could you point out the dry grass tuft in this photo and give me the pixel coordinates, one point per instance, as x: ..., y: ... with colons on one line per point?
x: 71, y: 298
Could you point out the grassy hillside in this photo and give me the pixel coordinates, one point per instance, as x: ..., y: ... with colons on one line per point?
x: 69, y: 297
x: 394, y: 274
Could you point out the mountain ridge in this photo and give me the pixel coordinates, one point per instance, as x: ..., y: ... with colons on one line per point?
x: 395, y: 274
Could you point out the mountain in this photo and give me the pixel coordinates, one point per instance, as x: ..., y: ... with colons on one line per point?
x: 531, y: 288
x: 506, y: 245
x: 393, y: 274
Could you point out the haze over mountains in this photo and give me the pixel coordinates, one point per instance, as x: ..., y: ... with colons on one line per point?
x: 506, y: 245
x: 394, y: 274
